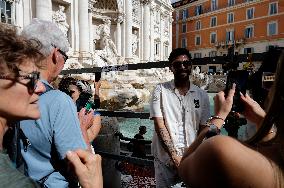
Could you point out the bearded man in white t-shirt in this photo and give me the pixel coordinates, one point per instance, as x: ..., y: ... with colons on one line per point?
x: 180, y: 110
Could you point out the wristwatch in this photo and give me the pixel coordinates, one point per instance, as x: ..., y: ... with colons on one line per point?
x: 213, y: 131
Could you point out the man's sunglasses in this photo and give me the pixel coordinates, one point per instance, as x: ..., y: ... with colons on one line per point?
x: 71, y: 92
x: 31, y: 85
x: 179, y: 64
x: 65, y: 56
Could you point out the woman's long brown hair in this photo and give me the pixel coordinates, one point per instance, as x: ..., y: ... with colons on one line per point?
x: 275, y: 113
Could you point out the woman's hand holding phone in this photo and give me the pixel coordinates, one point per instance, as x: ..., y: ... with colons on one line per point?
x: 240, y: 78
x: 86, y: 118
x: 252, y: 110
x: 222, y: 104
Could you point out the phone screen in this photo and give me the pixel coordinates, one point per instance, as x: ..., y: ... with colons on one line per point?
x: 240, y: 78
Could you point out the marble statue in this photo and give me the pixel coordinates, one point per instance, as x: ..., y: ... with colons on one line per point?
x: 106, y: 42
x: 166, y: 28
x: 107, y: 51
x: 59, y: 17
x: 134, y: 42
x: 196, y: 70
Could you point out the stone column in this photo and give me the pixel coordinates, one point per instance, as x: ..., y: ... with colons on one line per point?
x: 170, y: 35
x: 27, y: 11
x: 75, y: 27
x: 152, y: 33
x: 44, y: 9
x: 83, y: 26
x: 128, y: 28
x: 19, y: 13
x: 162, y: 32
x: 91, y: 43
x: 122, y: 26
x: 118, y: 34
x: 91, y: 33
x: 146, y: 30
x: 118, y: 38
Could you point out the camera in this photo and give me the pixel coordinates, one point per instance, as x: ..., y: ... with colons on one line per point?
x: 240, y: 78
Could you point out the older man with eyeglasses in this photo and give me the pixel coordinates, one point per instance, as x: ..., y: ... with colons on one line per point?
x: 180, y: 110
x: 58, y: 129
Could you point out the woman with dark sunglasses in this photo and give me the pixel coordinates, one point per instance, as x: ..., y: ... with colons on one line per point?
x: 81, y: 93
x: 19, y: 94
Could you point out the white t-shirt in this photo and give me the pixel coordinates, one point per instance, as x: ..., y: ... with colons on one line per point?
x: 182, y: 116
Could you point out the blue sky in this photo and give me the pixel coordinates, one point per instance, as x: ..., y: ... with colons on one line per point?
x: 173, y: 1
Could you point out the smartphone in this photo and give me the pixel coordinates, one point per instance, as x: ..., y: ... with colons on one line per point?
x: 98, y: 76
x: 83, y: 100
x: 89, y: 105
x: 240, y: 78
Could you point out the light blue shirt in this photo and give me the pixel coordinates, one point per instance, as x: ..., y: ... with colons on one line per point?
x: 59, y: 126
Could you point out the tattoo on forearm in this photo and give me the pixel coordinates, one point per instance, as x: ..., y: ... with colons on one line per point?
x: 166, y: 140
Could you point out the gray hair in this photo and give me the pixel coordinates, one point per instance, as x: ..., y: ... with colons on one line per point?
x: 48, y: 34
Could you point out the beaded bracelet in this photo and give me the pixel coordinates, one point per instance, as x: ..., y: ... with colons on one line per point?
x: 216, y: 117
x: 208, y: 122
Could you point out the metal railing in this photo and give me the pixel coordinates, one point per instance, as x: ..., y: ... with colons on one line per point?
x: 163, y: 64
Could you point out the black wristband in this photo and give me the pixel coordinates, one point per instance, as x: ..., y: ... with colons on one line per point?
x: 213, y: 131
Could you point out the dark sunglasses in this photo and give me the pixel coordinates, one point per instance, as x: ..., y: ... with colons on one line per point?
x: 179, y: 64
x: 71, y: 91
x: 31, y: 85
x: 65, y: 56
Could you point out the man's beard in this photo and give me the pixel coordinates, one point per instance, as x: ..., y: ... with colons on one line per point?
x: 183, y: 75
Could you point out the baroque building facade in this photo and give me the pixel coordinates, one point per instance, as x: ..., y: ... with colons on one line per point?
x: 102, y: 32
x: 210, y: 28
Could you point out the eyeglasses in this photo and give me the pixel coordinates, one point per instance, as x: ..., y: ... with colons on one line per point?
x: 71, y: 91
x: 178, y: 64
x: 31, y: 85
x: 65, y: 56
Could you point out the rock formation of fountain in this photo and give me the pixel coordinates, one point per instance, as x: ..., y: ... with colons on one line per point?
x: 130, y: 90
x: 210, y: 82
